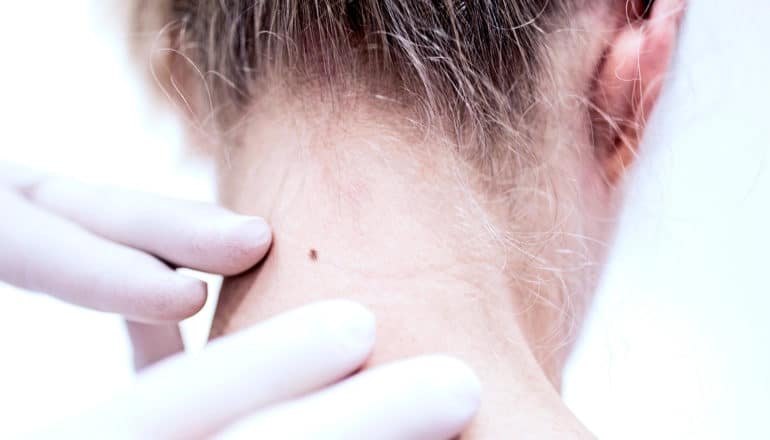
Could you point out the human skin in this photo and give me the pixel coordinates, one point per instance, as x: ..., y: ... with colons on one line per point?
x: 394, y: 235
x: 364, y: 208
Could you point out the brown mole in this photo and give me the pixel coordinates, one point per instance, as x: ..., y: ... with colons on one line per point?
x: 313, y: 254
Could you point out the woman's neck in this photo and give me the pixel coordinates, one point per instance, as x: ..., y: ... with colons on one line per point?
x: 358, y: 213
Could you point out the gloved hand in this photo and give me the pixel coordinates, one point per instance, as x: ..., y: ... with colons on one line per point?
x: 286, y: 379
x: 115, y: 251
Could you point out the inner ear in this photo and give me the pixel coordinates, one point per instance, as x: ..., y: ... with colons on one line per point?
x: 630, y: 79
x: 646, y: 8
x: 635, y: 10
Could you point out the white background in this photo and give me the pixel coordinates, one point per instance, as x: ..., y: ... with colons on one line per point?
x: 677, y: 345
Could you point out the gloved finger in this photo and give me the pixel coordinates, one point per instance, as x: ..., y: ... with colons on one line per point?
x: 188, y: 234
x: 16, y: 177
x: 45, y: 253
x: 152, y: 343
x: 196, y: 395
x: 433, y: 397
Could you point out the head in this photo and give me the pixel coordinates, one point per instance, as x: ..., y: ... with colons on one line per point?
x: 515, y: 121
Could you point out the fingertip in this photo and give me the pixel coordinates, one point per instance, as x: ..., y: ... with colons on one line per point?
x: 455, y: 384
x: 195, y: 295
x: 253, y: 230
x: 247, y: 240
x: 182, y: 298
x: 349, y: 323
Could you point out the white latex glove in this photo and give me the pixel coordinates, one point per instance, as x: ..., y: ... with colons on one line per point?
x: 114, y: 250
x: 110, y: 249
x: 285, y: 379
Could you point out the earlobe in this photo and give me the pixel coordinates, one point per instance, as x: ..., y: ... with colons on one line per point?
x: 630, y: 80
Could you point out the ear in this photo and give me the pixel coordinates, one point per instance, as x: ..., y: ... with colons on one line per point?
x: 631, y: 77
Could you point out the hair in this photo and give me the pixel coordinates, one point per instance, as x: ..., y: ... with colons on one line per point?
x: 470, y: 66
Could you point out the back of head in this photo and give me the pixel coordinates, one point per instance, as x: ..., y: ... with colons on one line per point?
x: 541, y: 102
x: 485, y: 72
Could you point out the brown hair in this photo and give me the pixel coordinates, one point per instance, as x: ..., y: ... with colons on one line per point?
x: 473, y: 64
